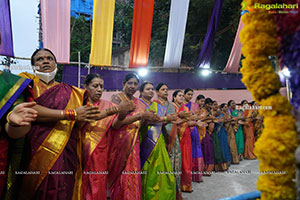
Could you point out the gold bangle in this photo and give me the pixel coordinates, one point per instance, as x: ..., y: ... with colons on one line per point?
x: 75, y: 115
x: 9, y: 122
x: 7, y: 117
x: 62, y: 114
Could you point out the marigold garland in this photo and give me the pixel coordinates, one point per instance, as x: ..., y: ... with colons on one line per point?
x: 278, y: 142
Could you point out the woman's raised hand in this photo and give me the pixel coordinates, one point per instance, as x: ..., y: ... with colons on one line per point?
x: 23, y: 114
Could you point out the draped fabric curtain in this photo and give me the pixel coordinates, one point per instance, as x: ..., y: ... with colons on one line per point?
x: 141, y: 33
x: 6, y: 41
x: 233, y: 62
x: 56, y: 28
x: 177, y: 23
x: 102, y: 34
x: 207, y: 47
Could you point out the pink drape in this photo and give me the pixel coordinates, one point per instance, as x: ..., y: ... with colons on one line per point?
x: 56, y: 28
x: 233, y: 62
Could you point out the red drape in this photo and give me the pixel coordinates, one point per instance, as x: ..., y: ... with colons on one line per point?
x: 141, y: 33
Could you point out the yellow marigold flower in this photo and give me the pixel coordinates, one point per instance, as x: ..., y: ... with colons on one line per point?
x: 279, y: 104
x: 280, y: 122
x: 267, y: 85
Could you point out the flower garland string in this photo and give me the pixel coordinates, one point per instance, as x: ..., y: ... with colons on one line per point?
x: 276, y: 146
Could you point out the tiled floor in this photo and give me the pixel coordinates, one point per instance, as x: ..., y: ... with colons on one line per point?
x: 238, y: 180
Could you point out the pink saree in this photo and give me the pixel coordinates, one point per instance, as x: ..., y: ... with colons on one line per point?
x: 124, y: 166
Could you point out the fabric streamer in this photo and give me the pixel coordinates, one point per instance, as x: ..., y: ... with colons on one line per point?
x: 141, y: 33
x: 102, y: 35
x: 56, y: 28
x: 233, y: 62
x: 177, y: 23
x: 6, y: 42
x: 207, y: 48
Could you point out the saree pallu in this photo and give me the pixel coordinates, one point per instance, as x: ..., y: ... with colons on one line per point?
x: 173, y: 147
x: 219, y: 161
x: 53, y: 149
x: 39, y: 87
x: 207, y: 149
x: 258, y: 127
x: 93, y: 137
x: 124, y: 166
x: 186, y: 153
x: 197, y: 156
x: 158, y: 181
x: 248, y: 131
x: 239, y: 135
x: 232, y: 143
x: 11, y: 89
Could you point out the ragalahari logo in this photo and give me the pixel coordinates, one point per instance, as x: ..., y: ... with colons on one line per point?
x: 281, y: 8
x: 245, y: 8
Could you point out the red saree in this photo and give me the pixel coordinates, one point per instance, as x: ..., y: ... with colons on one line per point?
x: 186, y: 152
x: 93, y: 138
x: 124, y: 165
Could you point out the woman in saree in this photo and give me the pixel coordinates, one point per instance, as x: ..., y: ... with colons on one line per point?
x: 239, y: 135
x: 206, y: 142
x: 93, y: 139
x: 51, y: 144
x: 220, y: 162
x: 185, y: 143
x: 223, y: 136
x: 158, y: 181
x: 124, y: 165
x: 197, y: 156
x: 229, y: 127
x: 257, y: 122
x: 15, y: 117
x: 248, y: 131
x: 171, y: 136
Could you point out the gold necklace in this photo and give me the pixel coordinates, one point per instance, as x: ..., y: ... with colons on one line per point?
x: 146, y: 101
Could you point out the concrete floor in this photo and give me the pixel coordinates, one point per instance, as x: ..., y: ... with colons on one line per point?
x: 239, y: 179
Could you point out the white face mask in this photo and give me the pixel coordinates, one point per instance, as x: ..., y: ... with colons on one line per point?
x: 46, y: 77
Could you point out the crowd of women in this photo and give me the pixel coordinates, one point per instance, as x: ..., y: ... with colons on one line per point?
x: 68, y: 143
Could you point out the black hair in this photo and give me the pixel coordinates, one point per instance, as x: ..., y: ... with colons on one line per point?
x: 130, y: 76
x: 90, y: 77
x: 175, y: 94
x: 200, y: 96
x: 187, y: 90
x: 142, y: 87
x: 214, y: 102
x: 229, y: 102
x: 159, y: 86
x: 222, y: 105
x: 244, y: 101
x: 252, y: 103
x: 207, y: 101
x: 38, y: 50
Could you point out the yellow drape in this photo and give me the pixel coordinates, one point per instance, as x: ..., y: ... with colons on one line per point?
x: 102, y: 35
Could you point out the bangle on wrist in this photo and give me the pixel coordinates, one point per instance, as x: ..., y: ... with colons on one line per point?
x: 9, y: 122
x: 70, y: 114
x: 112, y: 110
x: 165, y: 119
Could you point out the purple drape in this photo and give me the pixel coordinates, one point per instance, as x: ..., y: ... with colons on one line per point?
x: 207, y: 47
x: 6, y: 42
x: 113, y: 79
